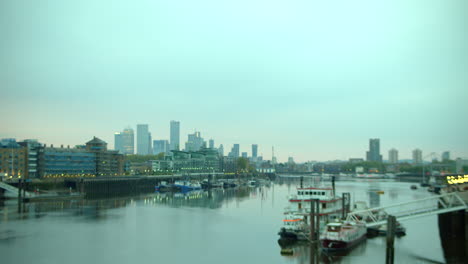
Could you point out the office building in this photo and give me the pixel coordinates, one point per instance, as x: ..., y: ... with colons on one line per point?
x: 374, y: 150
x: 33, y: 164
x: 244, y: 154
x: 445, y: 155
x: 13, y: 159
x: 67, y: 162
x: 393, y: 156
x: 124, y: 141
x: 143, y: 140
x: 108, y: 162
x: 195, y: 142
x: 254, y: 150
x: 160, y: 146
x: 235, y: 151
x: 175, y: 135
x: 417, y: 156
x: 204, y: 160
x: 211, y: 141
x: 221, y: 150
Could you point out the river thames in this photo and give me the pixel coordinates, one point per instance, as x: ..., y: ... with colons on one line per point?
x: 221, y: 226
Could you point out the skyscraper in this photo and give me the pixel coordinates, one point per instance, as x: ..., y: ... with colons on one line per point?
x: 194, y: 142
x: 374, y: 150
x: 393, y: 156
x: 445, y: 155
x: 235, y: 151
x: 143, y: 140
x: 175, y: 135
x: 254, y: 150
x: 244, y: 154
x: 211, y: 143
x: 124, y: 141
x: 118, y: 142
x: 417, y: 156
x: 160, y: 146
x: 221, y: 150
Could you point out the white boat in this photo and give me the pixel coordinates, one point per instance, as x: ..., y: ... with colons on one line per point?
x: 342, y: 235
x: 294, y: 228
x: 330, y: 209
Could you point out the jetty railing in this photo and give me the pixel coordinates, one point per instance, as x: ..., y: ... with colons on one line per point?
x: 408, y: 210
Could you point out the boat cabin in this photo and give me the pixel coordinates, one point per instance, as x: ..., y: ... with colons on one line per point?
x: 334, y: 227
x: 314, y: 193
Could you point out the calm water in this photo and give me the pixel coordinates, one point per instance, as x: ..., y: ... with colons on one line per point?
x: 222, y: 226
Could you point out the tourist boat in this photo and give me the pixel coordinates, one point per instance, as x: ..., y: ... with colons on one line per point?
x: 186, y: 186
x: 342, y: 235
x: 330, y: 209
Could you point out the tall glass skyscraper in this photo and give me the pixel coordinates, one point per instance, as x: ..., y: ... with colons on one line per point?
x: 143, y: 140
x: 124, y: 141
x: 254, y: 150
x: 374, y: 150
x: 235, y: 151
x: 175, y: 135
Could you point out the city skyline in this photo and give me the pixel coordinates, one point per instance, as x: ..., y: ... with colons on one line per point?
x: 409, y: 152
x: 314, y: 79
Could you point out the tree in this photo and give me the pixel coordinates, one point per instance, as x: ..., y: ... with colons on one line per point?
x: 143, y: 158
x: 243, y: 164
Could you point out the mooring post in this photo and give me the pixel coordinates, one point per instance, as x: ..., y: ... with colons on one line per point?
x: 312, y: 220
x: 317, y: 219
x: 346, y: 198
x: 19, y: 189
x: 391, y: 227
x: 343, y: 214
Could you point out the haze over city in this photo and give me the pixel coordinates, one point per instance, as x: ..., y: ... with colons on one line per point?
x: 314, y: 79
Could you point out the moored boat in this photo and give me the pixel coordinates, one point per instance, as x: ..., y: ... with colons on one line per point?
x: 186, y: 186
x: 342, y: 235
x: 294, y: 228
x: 400, y: 230
x: 166, y: 187
x: 297, y: 214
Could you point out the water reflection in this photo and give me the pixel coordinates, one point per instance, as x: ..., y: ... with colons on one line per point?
x: 213, y: 198
x: 95, y: 209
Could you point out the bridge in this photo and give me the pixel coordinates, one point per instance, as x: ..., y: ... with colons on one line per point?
x: 433, y: 205
x: 13, y: 189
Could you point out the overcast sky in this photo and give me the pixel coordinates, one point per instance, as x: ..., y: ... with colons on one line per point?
x: 315, y: 79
